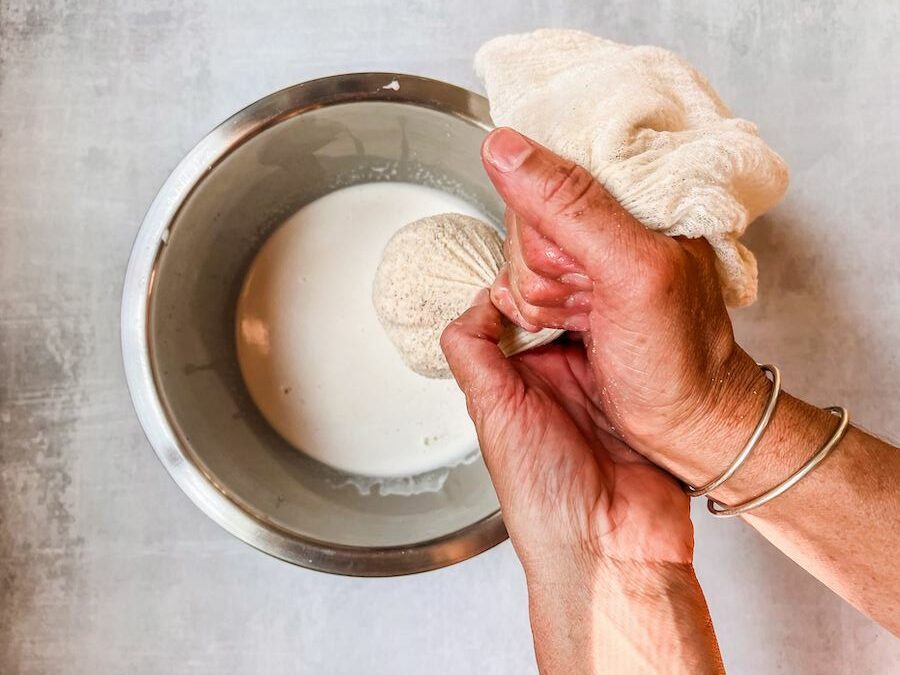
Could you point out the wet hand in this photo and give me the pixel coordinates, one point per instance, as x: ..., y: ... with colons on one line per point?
x: 571, y: 493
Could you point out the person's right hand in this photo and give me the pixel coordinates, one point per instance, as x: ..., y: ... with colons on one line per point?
x: 655, y: 325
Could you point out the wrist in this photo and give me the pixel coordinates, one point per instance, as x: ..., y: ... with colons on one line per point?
x: 724, y: 420
x: 623, y: 616
x: 657, y: 617
x: 716, y: 411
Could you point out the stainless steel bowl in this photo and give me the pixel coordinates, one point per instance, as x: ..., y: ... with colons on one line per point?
x: 185, y: 271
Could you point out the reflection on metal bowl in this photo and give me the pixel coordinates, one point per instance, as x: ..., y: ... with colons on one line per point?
x: 186, y: 268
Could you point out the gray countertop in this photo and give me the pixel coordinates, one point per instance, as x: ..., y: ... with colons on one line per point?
x: 105, y: 567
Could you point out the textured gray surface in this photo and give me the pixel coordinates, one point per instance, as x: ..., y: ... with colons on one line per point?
x: 105, y: 567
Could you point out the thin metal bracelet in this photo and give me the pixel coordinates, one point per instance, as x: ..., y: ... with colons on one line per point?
x: 751, y: 443
x: 728, y: 511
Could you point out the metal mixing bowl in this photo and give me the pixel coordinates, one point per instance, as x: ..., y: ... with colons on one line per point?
x: 186, y: 268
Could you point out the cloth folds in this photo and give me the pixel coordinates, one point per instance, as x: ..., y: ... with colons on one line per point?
x: 650, y: 128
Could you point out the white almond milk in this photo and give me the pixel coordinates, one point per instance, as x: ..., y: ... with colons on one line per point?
x: 315, y: 358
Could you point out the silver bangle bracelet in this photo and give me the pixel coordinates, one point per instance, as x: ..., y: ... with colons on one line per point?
x: 721, y: 511
x: 753, y: 440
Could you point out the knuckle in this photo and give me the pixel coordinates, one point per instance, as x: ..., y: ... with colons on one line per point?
x: 534, y: 254
x: 530, y: 294
x: 567, y: 186
x: 499, y: 295
x: 661, y: 278
x: 450, y: 337
x: 531, y: 314
x: 532, y: 289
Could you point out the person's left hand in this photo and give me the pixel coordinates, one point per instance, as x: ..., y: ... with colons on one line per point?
x: 571, y: 494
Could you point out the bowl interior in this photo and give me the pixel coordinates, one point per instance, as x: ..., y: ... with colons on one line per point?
x: 195, y: 284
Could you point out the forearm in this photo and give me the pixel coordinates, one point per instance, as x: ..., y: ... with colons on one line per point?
x: 840, y: 522
x: 623, y: 618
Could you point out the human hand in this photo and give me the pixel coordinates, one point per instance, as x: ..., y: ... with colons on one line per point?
x: 568, y: 489
x: 657, y: 333
x: 605, y: 538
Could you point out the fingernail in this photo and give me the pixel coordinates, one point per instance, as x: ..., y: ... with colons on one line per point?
x: 507, y: 150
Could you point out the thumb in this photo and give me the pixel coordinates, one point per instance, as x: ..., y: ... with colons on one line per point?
x: 563, y: 202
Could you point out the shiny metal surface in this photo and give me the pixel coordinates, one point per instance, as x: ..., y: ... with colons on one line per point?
x: 751, y: 443
x: 721, y: 510
x: 197, y: 238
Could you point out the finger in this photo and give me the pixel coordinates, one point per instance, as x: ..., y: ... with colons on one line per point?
x: 570, y: 394
x: 552, y: 317
x: 470, y: 345
x: 502, y: 297
x: 540, y: 254
x: 572, y: 314
x: 535, y: 289
x: 564, y: 203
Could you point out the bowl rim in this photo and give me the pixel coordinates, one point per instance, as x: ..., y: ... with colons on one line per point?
x: 136, y: 296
